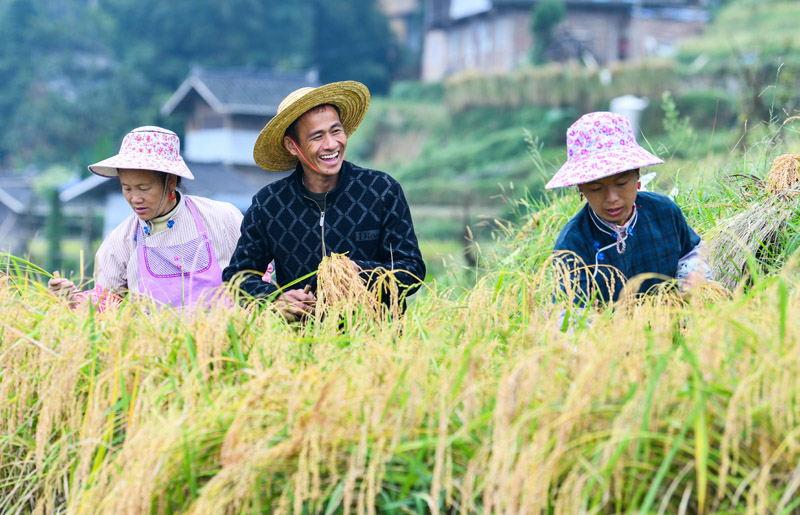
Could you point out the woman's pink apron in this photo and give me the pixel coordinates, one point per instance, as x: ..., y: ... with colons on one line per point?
x: 178, y: 275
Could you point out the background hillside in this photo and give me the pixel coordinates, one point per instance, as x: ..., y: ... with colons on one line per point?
x: 475, y: 144
x: 465, y: 149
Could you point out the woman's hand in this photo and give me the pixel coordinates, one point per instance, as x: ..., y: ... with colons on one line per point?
x: 692, y: 281
x: 60, y: 287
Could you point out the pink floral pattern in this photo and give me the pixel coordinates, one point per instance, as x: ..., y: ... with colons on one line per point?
x: 101, y: 298
x: 599, y: 145
x: 267, y: 278
x: 146, y: 148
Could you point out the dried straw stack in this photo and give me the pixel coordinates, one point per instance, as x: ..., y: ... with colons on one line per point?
x: 753, y: 233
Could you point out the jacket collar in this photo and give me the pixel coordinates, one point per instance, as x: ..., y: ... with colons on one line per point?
x: 344, y: 176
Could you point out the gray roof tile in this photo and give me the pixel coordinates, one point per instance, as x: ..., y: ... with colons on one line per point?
x: 241, y: 90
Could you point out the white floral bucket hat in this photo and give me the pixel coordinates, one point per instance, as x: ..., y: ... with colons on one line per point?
x: 146, y: 148
x: 600, y: 145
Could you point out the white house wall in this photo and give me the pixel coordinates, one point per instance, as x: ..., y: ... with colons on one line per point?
x: 434, y: 56
x: 492, y: 43
x: 500, y: 40
x: 229, y: 146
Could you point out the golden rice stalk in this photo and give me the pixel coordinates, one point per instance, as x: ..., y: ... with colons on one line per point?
x: 784, y: 174
x: 342, y: 285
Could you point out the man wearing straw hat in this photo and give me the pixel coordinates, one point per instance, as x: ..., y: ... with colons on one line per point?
x: 328, y: 205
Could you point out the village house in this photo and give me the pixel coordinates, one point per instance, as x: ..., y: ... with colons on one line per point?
x: 494, y: 36
x: 19, y: 218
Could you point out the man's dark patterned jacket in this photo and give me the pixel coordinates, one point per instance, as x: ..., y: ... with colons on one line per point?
x: 366, y: 217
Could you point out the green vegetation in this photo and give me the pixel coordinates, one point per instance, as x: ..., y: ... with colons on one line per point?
x: 544, y: 18
x: 75, y: 76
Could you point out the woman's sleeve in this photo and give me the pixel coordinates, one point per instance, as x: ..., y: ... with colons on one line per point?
x: 112, y: 258
x: 693, y: 250
x: 695, y: 260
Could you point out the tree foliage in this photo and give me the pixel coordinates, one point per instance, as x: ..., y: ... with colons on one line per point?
x: 75, y: 76
x: 365, y: 51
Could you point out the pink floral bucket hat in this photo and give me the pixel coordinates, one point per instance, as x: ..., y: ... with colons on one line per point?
x: 600, y: 145
x: 146, y: 148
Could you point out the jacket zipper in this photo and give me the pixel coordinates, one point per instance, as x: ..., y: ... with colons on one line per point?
x: 321, y: 220
x: 322, y: 224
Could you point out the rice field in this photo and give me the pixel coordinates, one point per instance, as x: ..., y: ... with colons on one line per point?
x: 477, y: 400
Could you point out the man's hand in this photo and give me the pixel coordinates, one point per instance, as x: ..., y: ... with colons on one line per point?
x: 60, y: 287
x: 296, y: 304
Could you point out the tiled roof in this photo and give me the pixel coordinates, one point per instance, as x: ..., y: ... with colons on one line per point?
x: 240, y: 90
x: 16, y: 193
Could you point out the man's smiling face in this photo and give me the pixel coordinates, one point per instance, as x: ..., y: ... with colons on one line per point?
x: 322, y: 140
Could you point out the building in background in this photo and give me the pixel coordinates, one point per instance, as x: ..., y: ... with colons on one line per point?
x: 494, y: 36
x: 21, y: 216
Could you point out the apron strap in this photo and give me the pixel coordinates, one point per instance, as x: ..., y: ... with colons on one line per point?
x: 201, y: 228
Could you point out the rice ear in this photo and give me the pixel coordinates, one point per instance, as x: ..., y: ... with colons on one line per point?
x: 784, y: 174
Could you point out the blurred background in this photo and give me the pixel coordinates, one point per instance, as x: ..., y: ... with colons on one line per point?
x: 471, y: 99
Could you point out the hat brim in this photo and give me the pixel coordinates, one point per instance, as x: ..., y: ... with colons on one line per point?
x: 352, y: 99
x: 110, y: 167
x: 600, y: 165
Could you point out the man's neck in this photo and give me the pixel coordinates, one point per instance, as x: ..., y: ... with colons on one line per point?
x: 316, y: 183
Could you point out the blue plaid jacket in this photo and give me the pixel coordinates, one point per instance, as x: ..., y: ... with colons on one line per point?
x: 659, y: 240
x: 366, y: 217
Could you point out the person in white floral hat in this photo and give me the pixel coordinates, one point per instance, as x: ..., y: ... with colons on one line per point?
x: 173, y: 247
x: 621, y: 232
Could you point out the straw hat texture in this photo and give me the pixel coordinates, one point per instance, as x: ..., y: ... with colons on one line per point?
x: 352, y: 99
x: 600, y: 145
x: 146, y: 148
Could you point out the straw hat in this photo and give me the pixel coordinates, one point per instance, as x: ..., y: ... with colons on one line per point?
x: 352, y: 99
x: 146, y: 148
x: 600, y: 145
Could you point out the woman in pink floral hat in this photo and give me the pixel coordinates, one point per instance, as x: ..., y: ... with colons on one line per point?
x: 621, y: 232
x: 173, y: 247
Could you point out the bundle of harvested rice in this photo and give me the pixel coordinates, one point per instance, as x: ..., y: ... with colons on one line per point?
x: 752, y: 234
x: 784, y: 174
